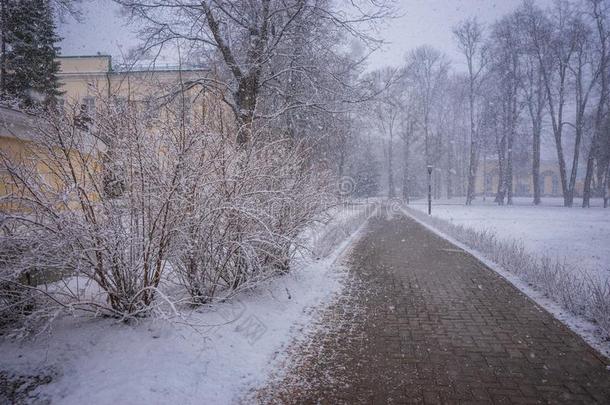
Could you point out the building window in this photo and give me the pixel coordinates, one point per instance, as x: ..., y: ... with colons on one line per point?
x: 488, y: 183
x: 555, y: 186
x: 523, y: 189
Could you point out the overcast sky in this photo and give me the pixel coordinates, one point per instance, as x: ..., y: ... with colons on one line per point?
x: 421, y: 22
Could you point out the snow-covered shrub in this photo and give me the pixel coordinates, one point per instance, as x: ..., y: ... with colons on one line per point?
x: 111, y: 248
x: 245, y: 214
x: 108, y: 211
x: 600, y: 308
x: 343, y: 221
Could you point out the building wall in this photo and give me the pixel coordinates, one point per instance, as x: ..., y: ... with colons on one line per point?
x: 88, y: 79
x: 19, y: 148
x: 523, y: 184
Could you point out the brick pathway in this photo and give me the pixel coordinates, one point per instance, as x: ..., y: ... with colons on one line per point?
x: 424, y: 322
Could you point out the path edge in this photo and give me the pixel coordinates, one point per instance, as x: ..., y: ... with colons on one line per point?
x: 574, y: 324
x: 335, y: 259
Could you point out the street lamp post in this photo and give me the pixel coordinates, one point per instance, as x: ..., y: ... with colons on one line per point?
x: 430, y: 189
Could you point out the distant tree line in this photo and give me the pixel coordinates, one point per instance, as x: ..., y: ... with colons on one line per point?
x: 534, y: 74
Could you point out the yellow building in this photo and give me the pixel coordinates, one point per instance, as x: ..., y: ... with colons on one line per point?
x: 86, y: 79
x: 15, y: 133
x: 91, y: 80
x: 523, y: 184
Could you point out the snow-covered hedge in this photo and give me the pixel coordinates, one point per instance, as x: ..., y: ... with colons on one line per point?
x: 343, y: 221
x: 108, y: 211
x: 586, y: 297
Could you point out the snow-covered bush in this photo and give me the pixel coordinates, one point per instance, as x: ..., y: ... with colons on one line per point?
x: 96, y: 202
x: 245, y: 217
x: 107, y: 210
x: 342, y: 222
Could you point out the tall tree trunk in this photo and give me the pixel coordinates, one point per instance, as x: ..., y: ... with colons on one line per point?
x: 575, y: 158
x: 586, y: 192
x: 501, y: 150
x: 606, y: 184
x: 512, y: 126
x: 509, y: 170
x: 562, y: 173
x: 536, y: 99
x: 391, y: 188
x: 558, y: 134
x: 438, y: 176
x: 472, y: 165
x: 601, y: 104
x: 536, y: 163
x: 450, y: 171
x: 581, y: 104
x: 557, y: 121
x: 501, y: 189
x: 405, y: 168
x: 248, y: 81
x: 246, y: 96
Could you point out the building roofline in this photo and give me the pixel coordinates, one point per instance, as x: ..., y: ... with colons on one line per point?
x: 89, y: 57
x: 83, y: 56
x: 112, y: 70
x: 172, y: 70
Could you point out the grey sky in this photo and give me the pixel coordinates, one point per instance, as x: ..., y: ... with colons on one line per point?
x: 102, y: 30
x: 431, y: 22
x: 422, y: 22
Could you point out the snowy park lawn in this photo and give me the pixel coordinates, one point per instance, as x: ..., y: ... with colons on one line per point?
x: 559, y: 257
x: 579, y: 236
x: 210, y: 355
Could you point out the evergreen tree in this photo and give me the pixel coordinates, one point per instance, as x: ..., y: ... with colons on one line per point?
x: 31, y: 68
x: 5, y: 12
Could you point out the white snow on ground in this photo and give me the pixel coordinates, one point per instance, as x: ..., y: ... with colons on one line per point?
x: 579, y: 236
x: 585, y: 329
x: 212, y: 356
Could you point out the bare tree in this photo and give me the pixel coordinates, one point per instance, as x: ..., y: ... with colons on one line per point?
x: 505, y: 53
x: 409, y: 125
x: 458, y: 129
x: 469, y: 36
x: 598, y: 10
x: 427, y: 70
x: 560, y: 42
x: 585, y: 71
x: 257, y: 43
x: 387, y: 109
x: 535, y: 97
